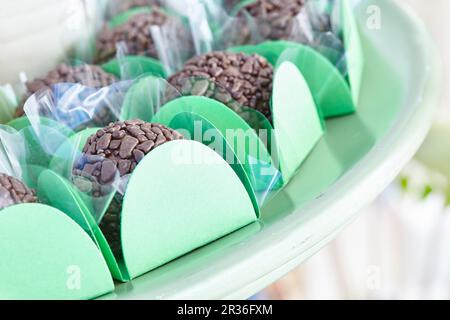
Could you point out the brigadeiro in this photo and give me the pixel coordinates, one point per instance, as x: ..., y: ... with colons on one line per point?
x: 135, y: 34
x: 87, y: 75
x: 235, y: 79
x: 273, y: 19
x: 113, y: 152
x: 13, y: 191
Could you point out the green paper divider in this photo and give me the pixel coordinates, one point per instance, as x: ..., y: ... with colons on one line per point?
x: 354, y: 52
x: 297, y: 122
x: 243, y: 140
x: 182, y: 210
x: 187, y: 120
x: 215, y: 172
x: 122, y: 18
x: 36, y: 153
x: 222, y: 117
x: 136, y: 67
x: 329, y: 88
x: 50, y: 256
x: 61, y: 194
x: 298, y: 126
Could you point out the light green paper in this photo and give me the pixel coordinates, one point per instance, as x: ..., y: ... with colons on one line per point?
x: 329, y: 88
x: 61, y: 194
x: 297, y: 123
x: 162, y: 221
x: 222, y: 117
x: 354, y: 52
x: 44, y: 254
x: 186, y: 122
x: 248, y: 151
x: 68, y: 199
x: 55, y: 190
x: 135, y: 66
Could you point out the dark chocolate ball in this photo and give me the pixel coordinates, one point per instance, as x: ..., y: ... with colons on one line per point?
x: 119, y: 148
x: 273, y: 19
x: 235, y: 79
x: 13, y: 191
x: 135, y: 34
x: 116, y: 151
x: 87, y: 75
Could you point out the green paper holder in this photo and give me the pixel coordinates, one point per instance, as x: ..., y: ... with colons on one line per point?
x: 297, y: 127
x: 183, y: 207
x: 46, y: 255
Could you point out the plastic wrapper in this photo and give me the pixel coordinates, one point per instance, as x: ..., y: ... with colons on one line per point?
x: 243, y: 22
x: 11, y: 151
x: 83, y: 18
x: 234, y: 23
x: 70, y: 40
x: 82, y: 110
x: 58, y: 121
x: 22, y: 157
x: 317, y: 29
x: 8, y: 103
x: 146, y: 32
x: 75, y: 72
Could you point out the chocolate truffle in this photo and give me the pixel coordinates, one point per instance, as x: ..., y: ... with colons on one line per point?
x: 274, y: 19
x: 116, y: 151
x: 13, y: 191
x: 235, y: 79
x: 87, y: 75
x: 135, y: 34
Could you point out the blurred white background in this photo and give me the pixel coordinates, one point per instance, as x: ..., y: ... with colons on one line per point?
x: 399, y: 248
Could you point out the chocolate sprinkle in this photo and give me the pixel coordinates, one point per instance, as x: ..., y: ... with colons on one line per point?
x: 274, y: 19
x: 13, y: 191
x: 235, y: 79
x: 135, y: 33
x: 116, y: 151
